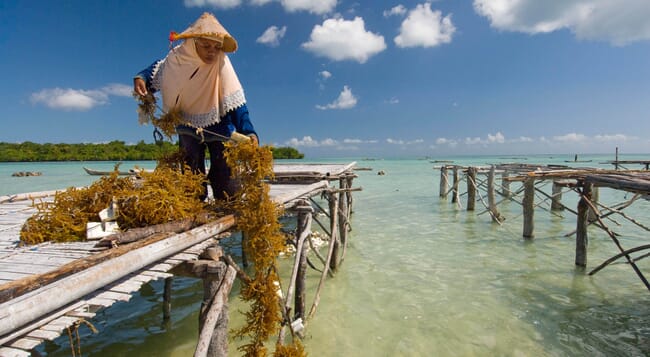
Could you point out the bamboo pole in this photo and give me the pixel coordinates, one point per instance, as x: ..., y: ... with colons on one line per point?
x: 471, y: 188
x: 444, y: 182
x: 529, y: 208
x: 582, y: 238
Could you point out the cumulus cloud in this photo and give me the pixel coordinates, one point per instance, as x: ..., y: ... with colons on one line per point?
x: 272, y: 36
x: 346, y: 100
x: 78, y: 99
x: 359, y: 141
x: 616, y: 21
x: 571, y: 137
x: 325, y: 74
x: 496, y: 138
x: 220, y: 4
x: 307, y: 141
x: 318, y: 7
x: 260, y: 2
x: 398, y: 10
x: 425, y: 28
x: 339, y: 39
x: 613, y: 137
x: 403, y: 142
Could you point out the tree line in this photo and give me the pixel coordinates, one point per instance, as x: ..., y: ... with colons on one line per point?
x: 113, y: 151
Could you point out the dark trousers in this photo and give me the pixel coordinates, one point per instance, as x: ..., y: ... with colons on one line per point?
x: 219, y: 174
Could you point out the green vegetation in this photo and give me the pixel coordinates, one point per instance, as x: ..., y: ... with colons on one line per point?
x: 113, y: 151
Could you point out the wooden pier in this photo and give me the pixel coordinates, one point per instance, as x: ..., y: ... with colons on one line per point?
x: 585, y: 182
x: 51, y: 288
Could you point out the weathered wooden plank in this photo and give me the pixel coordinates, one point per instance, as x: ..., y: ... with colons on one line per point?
x: 81, y: 314
x: 26, y: 343
x: 157, y: 274
x: 43, y: 334
x: 13, y: 352
x: 114, y: 295
x: 126, y: 287
x: 96, y: 301
x: 34, y: 305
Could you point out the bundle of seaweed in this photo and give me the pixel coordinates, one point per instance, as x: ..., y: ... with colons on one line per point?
x: 157, y: 197
x: 257, y: 218
x: 167, y: 122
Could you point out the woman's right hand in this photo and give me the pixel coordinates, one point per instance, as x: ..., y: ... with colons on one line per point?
x: 139, y: 86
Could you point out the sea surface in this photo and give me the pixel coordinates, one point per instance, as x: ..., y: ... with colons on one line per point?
x: 421, y: 277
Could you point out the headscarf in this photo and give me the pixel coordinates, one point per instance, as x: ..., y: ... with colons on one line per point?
x: 203, y: 92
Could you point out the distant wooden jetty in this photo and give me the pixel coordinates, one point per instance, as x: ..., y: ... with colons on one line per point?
x: 584, y: 181
x: 52, y: 287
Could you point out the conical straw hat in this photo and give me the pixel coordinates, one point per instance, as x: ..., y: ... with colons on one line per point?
x: 208, y: 27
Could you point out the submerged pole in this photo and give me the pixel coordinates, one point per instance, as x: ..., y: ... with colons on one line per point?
x: 582, y: 238
x: 496, y: 216
x: 454, y: 197
x: 594, y: 199
x: 444, y: 182
x: 471, y: 188
x: 505, y: 184
x: 556, y: 197
x: 529, y: 207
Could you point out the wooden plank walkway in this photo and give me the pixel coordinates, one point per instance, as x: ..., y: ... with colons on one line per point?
x: 18, y: 261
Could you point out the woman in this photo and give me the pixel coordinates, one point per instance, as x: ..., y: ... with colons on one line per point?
x: 198, y: 79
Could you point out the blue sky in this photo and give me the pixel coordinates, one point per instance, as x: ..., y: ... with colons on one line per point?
x: 349, y: 78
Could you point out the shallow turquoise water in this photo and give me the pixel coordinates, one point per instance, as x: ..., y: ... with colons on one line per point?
x: 421, y: 278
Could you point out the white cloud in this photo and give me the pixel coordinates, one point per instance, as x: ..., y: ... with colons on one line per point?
x: 396, y: 10
x: 260, y: 2
x: 496, y: 138
x: 359, y: 141
x: 613, y: 137
x: 473, y: 141
x: 571, y: 137
x: 402, y: 142
x: 338, y: 40
x: 79, y: 99
x: 307, y: 141
x: 346, y: 100
x: 221, y: 4
x: 325, y: 74
x: 616, y: 21
x: 272, y: 36
x: 393, y: 100
x: 318, y: 7
x: 425, y: 28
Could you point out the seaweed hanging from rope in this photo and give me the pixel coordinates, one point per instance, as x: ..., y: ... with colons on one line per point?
x: 257, y: 218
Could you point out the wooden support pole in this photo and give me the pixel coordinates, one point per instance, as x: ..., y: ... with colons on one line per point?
x: 444, y: 182
x: 505, y: 184
x: 304, y: 230
x: 213, y: 317
x: 496, y: 216
x: 348, y: 194
x: 529, y: 207
x: 595, y: 193
x: 582, y: 238
x: 342, y: 211
x: 455, y: 196
x: 471, y: 188
x: 556, y: 197
x: 167, y: 299
x: 335, y: 241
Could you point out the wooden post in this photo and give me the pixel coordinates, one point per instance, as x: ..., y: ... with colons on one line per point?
x: 505, y: 184
x: 594, y: 199
x: 213, y: 325
x: 496, y: 216
x: 556, y: 197
x: 334, y: 206
x: 342, y: 211
x: 454, y: 197
x: 616, y: 162
x: 303, y: 229
x: 167, y: 299
x: 471, y: 188
x: 529, y: 207
x: 444, y: 182
x: 582, y: 239
x: 350, y: 179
